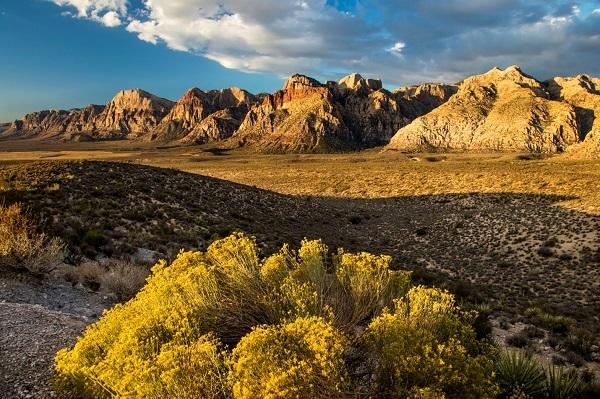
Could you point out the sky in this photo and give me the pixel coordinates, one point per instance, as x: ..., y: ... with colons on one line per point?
x: 70, y: 53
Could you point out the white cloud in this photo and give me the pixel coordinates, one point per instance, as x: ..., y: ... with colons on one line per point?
x: 106, y: 12
x: 397, y: 48
x: 111, y: 19
x: 447, y: 41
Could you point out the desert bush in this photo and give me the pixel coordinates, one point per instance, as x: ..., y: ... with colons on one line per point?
x: 123, y: 278
x: 520, y: 375
x: 227, y: 323
x: 88, y: 274
x: 556, y: 323
x: 301, y: 359
x: 562, y: 383
x: 22, y: 248
x: 426, y: 348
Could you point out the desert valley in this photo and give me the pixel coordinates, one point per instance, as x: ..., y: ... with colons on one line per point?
x: 487, y: 188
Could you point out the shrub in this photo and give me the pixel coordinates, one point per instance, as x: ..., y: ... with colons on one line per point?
x: 21, y: 248
x: 426, y: 348
x: 226, y: 323
x: 301, y: 359
x: 519, y: 373
x: 562, y: 383
x: 123, y: 278
x: 518, y: 340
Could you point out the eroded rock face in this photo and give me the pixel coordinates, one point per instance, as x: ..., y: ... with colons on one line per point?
x: 131, y: 113
x: 501, y: 110
x: 303, y: 117
x: 419, y: 100
x: 56, y: 123
x: 188, y: 114
x: 217, y: 126
x: 583, y: 93
x: 307, y: 116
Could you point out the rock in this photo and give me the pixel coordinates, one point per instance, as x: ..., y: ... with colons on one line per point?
x: 307, y: 116
x: 583, y: 93
x: 355, y: 81
x: 217, y: 126
x: 303, y: 117
x: 186, y: 120
x: 501, y: 110
x: 131, y: 113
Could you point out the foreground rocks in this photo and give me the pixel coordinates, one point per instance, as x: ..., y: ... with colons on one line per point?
x: 37, y: 318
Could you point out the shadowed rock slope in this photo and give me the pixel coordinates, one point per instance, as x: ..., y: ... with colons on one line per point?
x: 201, y: 117
x: 502, y: 110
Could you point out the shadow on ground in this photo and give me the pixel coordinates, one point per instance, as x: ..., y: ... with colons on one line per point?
x: 513, y: 249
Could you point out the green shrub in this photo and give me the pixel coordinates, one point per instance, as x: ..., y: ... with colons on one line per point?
x: 519, y: 373
x: 562, y: 383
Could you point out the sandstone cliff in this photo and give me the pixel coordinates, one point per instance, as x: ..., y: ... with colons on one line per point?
x: 188, y: 114
x: 302, y: 117
x: 307, y: 116
x: 583, y: 93
x: 131, y: 113
x: 501, y: 110
x: 54, y: 123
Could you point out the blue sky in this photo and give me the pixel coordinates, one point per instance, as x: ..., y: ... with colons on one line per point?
x: 69, y: 53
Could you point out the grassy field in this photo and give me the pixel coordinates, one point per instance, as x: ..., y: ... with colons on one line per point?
x: 523, y: 231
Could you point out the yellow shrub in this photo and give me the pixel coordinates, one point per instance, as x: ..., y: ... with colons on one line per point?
x: 302, y: 359
x: 225, y: 322
x: 368, y: 285
x: 426, y: 347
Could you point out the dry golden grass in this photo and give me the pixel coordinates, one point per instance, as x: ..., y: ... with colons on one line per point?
x: 368, y: 174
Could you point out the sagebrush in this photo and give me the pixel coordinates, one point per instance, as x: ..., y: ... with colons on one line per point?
x: 22, y: 248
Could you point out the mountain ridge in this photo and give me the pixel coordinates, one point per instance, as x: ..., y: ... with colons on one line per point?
x: 499, y: 110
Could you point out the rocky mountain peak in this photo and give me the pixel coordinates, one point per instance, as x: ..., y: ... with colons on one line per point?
x: 498, y: 110
x: 139, y: 99
x: 298, y: 81
x: 355, y: 81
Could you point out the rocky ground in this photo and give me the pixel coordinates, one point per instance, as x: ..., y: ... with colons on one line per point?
x: 37, y: 318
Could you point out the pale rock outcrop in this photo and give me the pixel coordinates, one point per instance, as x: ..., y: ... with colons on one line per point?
x: 583, y: 93
x: 131, y: 113
x: 501, y: 110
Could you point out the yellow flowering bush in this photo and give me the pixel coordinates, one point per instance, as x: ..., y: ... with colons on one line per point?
x: 426, y: 348
x: 301, y: 359
x: 225, y: 323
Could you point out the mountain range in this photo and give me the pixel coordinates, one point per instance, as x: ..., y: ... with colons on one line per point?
x: 500, y: 110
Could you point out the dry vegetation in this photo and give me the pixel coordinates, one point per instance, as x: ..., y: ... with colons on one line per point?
x: 516, y: 231
x: 22, y: 248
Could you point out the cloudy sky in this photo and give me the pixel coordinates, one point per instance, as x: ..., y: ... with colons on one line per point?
x: 65, y: 53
